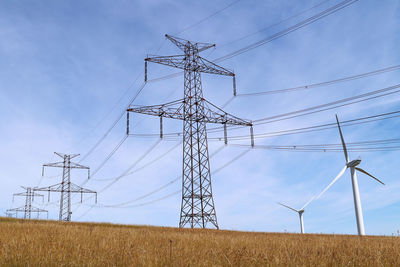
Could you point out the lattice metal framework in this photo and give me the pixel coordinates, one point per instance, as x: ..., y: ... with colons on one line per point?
x: 66, y: 187
x: 197, y: 208
x: 28, y: 209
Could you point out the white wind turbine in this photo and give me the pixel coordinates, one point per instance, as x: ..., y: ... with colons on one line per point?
x: 356, y: 193
x: 300, y: 212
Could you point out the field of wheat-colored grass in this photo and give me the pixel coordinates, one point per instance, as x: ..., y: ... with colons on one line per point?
x: 48, y: 243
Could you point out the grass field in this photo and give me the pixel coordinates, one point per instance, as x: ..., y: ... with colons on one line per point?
x: 48, y: 243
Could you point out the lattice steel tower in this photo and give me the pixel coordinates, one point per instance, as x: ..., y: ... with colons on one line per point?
x: 197, y: 208
x: 66, y: 187
x: 28, y: 209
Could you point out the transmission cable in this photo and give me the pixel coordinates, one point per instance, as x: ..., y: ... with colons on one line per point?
x: 160, y: 188
x: 314, y: 85
x: 208, y: 17
x: 274, y: 24
x: 284, y: 32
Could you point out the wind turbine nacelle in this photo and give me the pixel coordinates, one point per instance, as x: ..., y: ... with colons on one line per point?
x: 354, y: 163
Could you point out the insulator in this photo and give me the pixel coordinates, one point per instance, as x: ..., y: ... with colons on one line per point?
x: 145, y: 71
x: 225, y: 135
x: 127, y: 123
x: 234, y: 85
x: 161, y: 127
x: 252, y: 136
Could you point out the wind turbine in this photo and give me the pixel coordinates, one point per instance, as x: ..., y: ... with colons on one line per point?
x: 356, y: 193
x: 300, y: 212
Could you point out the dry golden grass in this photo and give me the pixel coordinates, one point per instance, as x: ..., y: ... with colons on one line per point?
x: 46, y: 243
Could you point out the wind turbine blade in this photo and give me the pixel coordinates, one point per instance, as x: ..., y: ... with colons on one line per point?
x: 343, y: 143
x: 287, y: 207
x: 326, y: 188
x: 370, y: 175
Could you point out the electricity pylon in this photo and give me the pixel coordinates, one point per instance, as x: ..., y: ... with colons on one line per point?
x: 197, y: 208
x: 29, y: 195
x: 66, y: 187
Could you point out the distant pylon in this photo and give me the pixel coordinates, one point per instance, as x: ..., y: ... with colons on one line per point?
x: 197, y: 208
x: 29, y: 195
x: 66, y: 187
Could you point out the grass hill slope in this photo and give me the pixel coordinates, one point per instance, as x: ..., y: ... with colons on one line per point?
x: 50, y: 243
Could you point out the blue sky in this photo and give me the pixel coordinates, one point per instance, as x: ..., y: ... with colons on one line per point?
x: 65, y: 64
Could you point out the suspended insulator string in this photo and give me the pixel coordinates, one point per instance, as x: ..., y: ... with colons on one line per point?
x: 320, y: 108
x: 367, y: 119
x: 309, y: 129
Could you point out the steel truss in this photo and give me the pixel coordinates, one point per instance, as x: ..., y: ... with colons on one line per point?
x: 66, y: 187
x: 197, y: 207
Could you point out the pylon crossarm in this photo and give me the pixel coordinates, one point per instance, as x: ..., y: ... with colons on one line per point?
x: 34, y: 209
x: 217, y: 115
x: 184, y: 44
x: 62, y: 155
x: 78, y: 189
x: 78, y: 166
x: 55, y: 164
x: 212, y: 68
x: 58, y: 188
x: 174, y: 110
x: 177, y: 61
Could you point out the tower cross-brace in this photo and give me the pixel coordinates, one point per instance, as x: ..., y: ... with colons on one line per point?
x: 66, y: 187
x: 197, y: 208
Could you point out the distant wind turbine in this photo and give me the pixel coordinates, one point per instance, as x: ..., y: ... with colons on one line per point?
x: 300, y: 212
x: 356, y: 193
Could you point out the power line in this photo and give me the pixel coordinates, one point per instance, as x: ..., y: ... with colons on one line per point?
x: 111, y: 110
x: 172, y: 181
x: 113, y: 124
x: 108, y: 156
x: 314, y: 85
x: 208, y: 17
x: 387, y: 91
x: 129, y: 169
x: 160, y: 188
x: 275, y: 36
x: 145, y: 165
x: 324, y: 107
x: 286, y: 31
x: 318, y: 149
x: 372, y: 118
x: 274, y: 24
